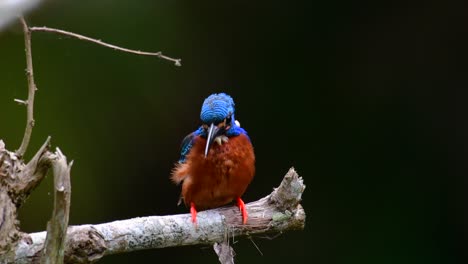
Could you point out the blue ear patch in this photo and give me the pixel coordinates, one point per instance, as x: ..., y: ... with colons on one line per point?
x: 216, y: 108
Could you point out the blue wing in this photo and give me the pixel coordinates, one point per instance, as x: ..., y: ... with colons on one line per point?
x: 186, y: 145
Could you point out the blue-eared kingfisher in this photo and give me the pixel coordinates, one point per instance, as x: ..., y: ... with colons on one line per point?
x: 217, y: 160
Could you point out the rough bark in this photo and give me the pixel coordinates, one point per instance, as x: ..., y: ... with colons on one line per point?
x: 17, y: 180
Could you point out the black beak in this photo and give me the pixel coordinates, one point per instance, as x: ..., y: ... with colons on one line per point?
x: 213, y: 132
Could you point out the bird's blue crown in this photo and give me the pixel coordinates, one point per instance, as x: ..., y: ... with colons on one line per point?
x: 215, y: 109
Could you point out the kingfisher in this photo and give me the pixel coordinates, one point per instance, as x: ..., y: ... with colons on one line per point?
x: 217, y: 160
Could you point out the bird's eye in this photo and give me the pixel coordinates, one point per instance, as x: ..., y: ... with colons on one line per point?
x: 228, y: 120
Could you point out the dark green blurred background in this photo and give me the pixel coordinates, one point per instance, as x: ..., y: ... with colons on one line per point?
x: 365, y: 101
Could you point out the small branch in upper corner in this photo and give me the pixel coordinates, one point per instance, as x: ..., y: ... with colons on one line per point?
x: 159, y: 54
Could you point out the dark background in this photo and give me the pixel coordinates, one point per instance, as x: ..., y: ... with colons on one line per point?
x: 366, y: 101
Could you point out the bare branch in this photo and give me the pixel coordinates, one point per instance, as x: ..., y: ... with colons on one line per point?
x: 17, y: 180
x: 289, y: 193
x: 255, y: 245
x: 21, y: 102
x: 31, y: 174
x: 225, y: 252
x: 54, y: 248
x: 88, y: 243
x: 159, y: 54
x: 31, y: 90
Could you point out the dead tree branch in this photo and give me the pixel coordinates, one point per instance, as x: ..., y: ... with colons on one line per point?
x: 26, y: 177
x: 88, y: 243
x: 17, y: 180
x: 31, y: 90
x: 177, y: 62
x: 224, y: 251
x: 54, y: 248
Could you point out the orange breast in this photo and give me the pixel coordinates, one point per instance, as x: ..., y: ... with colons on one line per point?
x: 220, y: 177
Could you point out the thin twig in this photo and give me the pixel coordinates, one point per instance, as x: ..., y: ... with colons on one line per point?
x: 255, y: 245
x: 159, y: 54
x: 21, y: 102
x: 31, y: 90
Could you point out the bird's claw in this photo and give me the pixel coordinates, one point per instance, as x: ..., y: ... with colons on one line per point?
x: 193, y: 212
x: 243, y: 210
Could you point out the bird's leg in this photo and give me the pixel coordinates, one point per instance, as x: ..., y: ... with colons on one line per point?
x: 241, y: 206
x: 193, y: 211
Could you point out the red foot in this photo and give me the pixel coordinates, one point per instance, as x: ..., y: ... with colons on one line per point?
x: 193, y: 211
x: 241, y: 206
